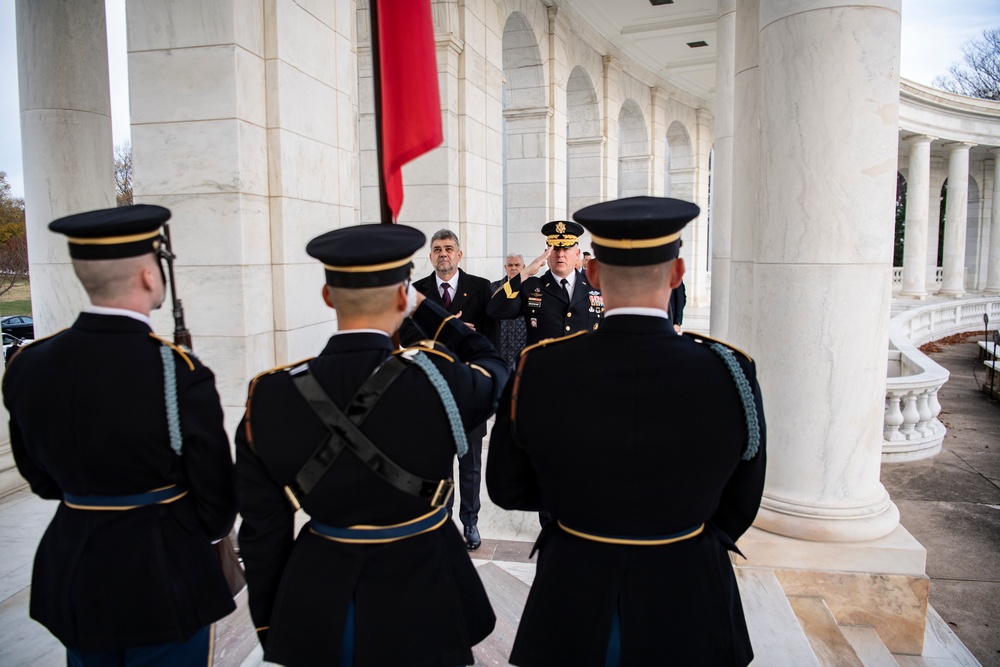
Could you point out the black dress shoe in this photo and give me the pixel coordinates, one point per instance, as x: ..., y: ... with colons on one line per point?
x: 472, y: 540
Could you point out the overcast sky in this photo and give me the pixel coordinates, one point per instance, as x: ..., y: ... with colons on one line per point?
x: 932, y: 37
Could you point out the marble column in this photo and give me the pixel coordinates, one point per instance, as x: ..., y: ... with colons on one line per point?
x: 746, y: 175
x: 722, y: 168
x: 955, y: 219
x: 822, y: 279
x: 62, y: 65
x: 917, y: 201
x: 993, y: 262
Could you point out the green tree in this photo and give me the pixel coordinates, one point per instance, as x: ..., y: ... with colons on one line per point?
x: 13, y: 238
x: 978, y: 75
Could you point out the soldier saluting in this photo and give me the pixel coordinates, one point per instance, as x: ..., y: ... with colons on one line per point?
x: 560, y: 302
x: 125, y: 429
x: 363, y: 437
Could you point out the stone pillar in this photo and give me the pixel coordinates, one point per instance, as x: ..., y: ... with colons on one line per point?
x: 746, y: 175
x: 993, y: 263
x: 955, y: 218
x: 722, y: 169
x: 829, y: 76
x: 917, y: 202
x: 697, y: 280
x: 611, y: 105
x: 62, y: 65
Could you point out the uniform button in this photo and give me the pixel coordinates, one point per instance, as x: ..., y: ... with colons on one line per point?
x: 569, y: 314
x: 567, y: 328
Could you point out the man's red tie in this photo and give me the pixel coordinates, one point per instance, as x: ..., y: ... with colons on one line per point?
x: 446, y: 296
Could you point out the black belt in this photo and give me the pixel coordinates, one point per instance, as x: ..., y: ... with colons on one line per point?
x: 344, y: 432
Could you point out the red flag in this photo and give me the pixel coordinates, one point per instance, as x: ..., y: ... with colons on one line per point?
x: 411, y: 104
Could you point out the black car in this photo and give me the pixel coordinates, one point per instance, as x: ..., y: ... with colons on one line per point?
x: 21, y: 326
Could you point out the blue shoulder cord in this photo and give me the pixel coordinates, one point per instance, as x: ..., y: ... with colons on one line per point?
x: 746, y: 396
x: 170, y: 393
x: 444, y: 391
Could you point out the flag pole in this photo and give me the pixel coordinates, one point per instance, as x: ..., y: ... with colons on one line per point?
x: 383, y: 196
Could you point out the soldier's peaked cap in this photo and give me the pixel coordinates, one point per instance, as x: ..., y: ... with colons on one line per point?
x: 562, y: 233
x: 637, y: 231
x: 367, y: 255
x: 113, y: 233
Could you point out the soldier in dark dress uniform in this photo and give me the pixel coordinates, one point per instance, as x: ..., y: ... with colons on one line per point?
x: 364, y: 438
x: 125, y: 429
x: 560, y: 302
x: 464, y: 297
x: 650, y: 497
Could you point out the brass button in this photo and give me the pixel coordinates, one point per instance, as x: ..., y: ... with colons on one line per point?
x: 569, y: 314
x: 567, y: 328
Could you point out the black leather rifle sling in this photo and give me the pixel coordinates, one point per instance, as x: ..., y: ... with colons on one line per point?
x: 344, y: 432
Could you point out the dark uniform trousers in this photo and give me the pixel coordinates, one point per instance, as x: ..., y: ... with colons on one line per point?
x: 469, y: 299
x: 670, y: 454
x: 414, y: 601
x: 543, y: 305
x: 88, y: 417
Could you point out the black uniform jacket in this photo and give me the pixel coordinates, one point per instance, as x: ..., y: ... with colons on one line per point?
x: 660, y: 453
x: 470, y: 300
x: 418, y: 601
x: 88, y: 416
x: 542, y: 304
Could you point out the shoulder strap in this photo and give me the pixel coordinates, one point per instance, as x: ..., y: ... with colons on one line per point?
x: 344, y: 432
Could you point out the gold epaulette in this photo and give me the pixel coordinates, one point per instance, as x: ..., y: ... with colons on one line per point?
x: 549, y: 341
x: 511, y: 294
x: 427, y: 346
x: 33, y: 343
x: 278, y: 369
x: 181, y: 352
x: 699, y: 338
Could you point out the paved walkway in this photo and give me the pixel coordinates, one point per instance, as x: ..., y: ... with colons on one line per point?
x: 951, y: 505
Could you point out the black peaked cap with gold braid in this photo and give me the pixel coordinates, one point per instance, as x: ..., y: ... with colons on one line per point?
x: 562, y: 233
x: 113, y: 233
x: 637, y: 231
x: 367, y: 255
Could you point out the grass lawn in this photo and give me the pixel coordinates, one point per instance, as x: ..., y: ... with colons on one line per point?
x: 17, y: 301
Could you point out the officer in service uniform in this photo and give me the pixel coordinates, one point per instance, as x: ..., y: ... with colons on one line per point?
x: 125, y: 429
x: 363, y: 437
x: 559, y: 303
x: 650, y: 498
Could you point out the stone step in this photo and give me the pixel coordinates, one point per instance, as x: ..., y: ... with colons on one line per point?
x: 941, y: 647
x: 775, y: 633
x: 829, y: 644
x: 235, y: 636
x: 869, y: 646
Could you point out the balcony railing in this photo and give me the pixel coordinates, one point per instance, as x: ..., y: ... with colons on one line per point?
x: 911, y: 429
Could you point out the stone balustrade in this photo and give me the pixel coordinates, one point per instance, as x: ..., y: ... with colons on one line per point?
x: 911, y: 429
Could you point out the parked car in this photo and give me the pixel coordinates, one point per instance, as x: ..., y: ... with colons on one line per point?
x: 21, y: 326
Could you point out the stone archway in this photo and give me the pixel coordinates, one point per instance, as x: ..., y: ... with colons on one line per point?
x: 584, y: 142
x: 526, y: 129
x: 633, y: 151
x: 679, y: 167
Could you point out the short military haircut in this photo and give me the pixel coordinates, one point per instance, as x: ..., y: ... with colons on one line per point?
x: 110, y: 279
x: 634, y: 280
x: 363, y: 301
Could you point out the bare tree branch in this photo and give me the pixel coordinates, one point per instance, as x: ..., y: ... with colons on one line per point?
x: 979, y: 73
x: 123, y: 174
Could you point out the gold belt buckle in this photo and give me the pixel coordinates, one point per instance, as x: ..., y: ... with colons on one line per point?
x: 442, y: 494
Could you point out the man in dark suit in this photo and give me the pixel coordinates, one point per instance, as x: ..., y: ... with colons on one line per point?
x: 560, y: 302
x: 364, y: 438
x: 125, y: 429
x: 464, y: 296
x: 650, y: 499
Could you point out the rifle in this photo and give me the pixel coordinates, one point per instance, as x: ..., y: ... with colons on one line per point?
x: 226, y: 547
x: 181, y: 334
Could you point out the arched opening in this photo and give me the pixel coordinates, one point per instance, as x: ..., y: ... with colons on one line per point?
x: 525, y: 137
x: 679, y: 167
x: 584, y: 144
x: 633, y: 151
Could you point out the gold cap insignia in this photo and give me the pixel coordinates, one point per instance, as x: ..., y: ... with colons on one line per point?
x: 560, y: 228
